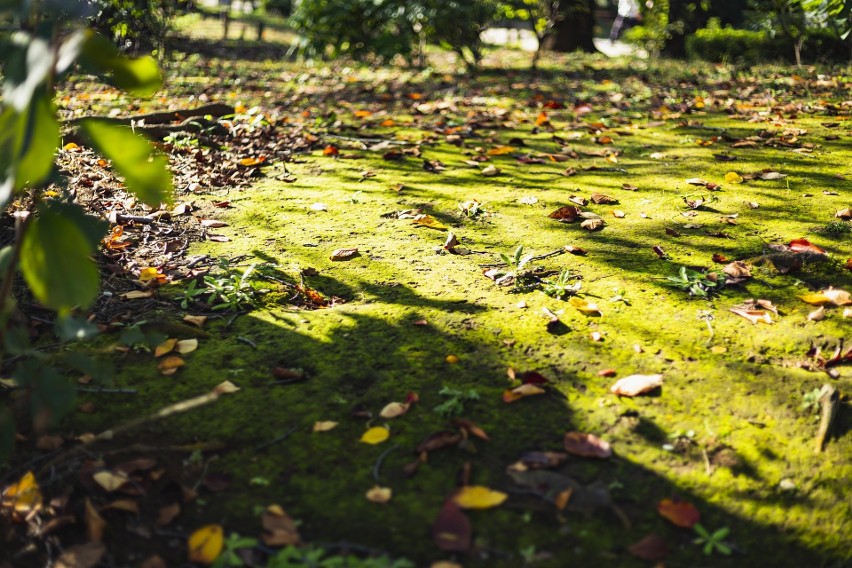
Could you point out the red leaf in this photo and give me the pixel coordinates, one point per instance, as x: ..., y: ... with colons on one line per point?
x: 804, y: 245
x: 451, y: 530
x: 652, y: 548
x: 586, y: 445
x: 680, y: 513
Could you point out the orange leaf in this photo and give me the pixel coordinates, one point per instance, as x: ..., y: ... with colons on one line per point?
x: 542, y: 119
x: 680, y: 513
x: 804, y: 245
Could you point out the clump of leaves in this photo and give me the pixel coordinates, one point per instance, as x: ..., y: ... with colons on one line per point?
x: 228, y: 289
x: 713, y: 542
x: 837, y: 228
x: 695, y: 283
x: 456, y: 399
x: 566, y: 284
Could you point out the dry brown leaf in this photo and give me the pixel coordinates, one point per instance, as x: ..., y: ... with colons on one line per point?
x: 197, y: 321
x: 110, y: 481
x: 593, y: 224
x: 817, y: 315
x: 344, y: 253
x: 81, y: 556
x: 752, y: 315
x: 278, y: 528
x: 95, y: 524
x: 169, y: 365
x: 167, y: 514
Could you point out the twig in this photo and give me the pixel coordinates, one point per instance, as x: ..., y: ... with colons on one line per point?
x: 197, y: 261
x: 549, y: 254
x: 102, y: 390
x: 280, y: 438
x: 247, y: 341
x: 378, y: 465
x: 707, y: 465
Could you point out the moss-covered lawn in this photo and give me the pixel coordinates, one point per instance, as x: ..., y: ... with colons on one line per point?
x: 727, y: 431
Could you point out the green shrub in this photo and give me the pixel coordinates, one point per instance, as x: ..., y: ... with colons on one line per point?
x: 728, y: 44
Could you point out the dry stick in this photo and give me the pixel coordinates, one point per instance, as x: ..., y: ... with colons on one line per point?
x: 165, y: 412
x: 378, y: 465
x: 274, y: 441
x: 102, y: 390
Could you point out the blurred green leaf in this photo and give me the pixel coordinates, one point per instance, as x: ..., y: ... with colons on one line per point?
x: 145, y: 173
x: 140, y: 77
x: 7, y: 435
x: 40, y: 139
x: 69, y: 328
x: 55, y: 261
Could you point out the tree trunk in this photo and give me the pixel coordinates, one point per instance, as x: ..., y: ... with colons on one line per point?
x: 574, y: 29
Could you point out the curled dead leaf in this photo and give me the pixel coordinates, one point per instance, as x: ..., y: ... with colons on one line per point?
x: 586, y: 445
x: 635, y: 385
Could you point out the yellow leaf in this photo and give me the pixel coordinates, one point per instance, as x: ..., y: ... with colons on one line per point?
x: 375, y: 435
x: 166, y: 346
x: 24, y: 496
x: 206, y: 544
x: 149, y: 273
x: 429, y: 221
x: 379, y: 494
x: 588, y: 308
x: 252, y: 161
x: 500, y: 150
x: 185, y: 346
x: 517, y: 393
x: 815, y: 299
x: 733, y: 177
x: 324, y: 425
x: 478, y: 497
x: 70, y: 146
x: 170, y: 365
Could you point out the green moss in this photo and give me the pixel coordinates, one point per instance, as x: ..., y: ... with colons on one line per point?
x: 741, y: 402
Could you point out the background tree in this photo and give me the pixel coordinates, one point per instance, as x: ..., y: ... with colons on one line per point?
x: 573, y: 28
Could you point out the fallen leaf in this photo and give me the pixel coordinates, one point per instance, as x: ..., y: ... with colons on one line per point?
x: 212, y: 223
x: 600, y: 198
x: 81, y: 556
x: 478, y: 497
x: 225, y: 387
x: 618, y: 214
x: 539, y: 460
x: 169, y: 365
x: 771, y: 175
x: 804, y: 245
x: 252, y: 161
x: 634, y: 385
x: 817, y: 315
x: 471, y: 428
x: 845, y: 214
x: 680, y: 513
x: 629, y: 187
x: 379, y: 494
x: 733, y: 177
x: 593, y: 224
x: 330, y: 150
x: 165, y: 347
x: 205, y: 544
x: 837, y: 297
x: 344, y: 254
x: 568, y: 213
x: 500, y: 150
x: 185, y: 346
x: 324, y: 425
x: 167, y: 514
x: 522, y: 391
x: 815, y: 299
x: 586, y: 445
x: 527, y: 377
x: 278, y: 528
x: 137, y: 294
x: 652, y: 548
x: 375, y: 435
x: 696, y: 181
x: 574, y: 250
x: 588, y: 308
x: 753, y: 315
x: 429, y: 221
x: 490, y: 171
x: 394, y: 409
x: 197, y: 321
x: 438, y: 440
x: 737, y: 269
x: 451, y: 530
x: 318, y: 206
x: 49, y: 443
x: 110, y: 481
x: 95, y: 524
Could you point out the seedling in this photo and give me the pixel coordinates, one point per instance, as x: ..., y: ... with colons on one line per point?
x: 229, y: 557
x: 454, y: 405
x: 619, y: 295
x: 472, y: 208
x: 227, y: 290
x: 696, y: 283
x: 810, y: 401
x: 712, y: 542
x: 523, y: 280
x: 566, y: 284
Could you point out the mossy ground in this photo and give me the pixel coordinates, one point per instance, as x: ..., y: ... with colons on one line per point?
x: 742, y: 402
